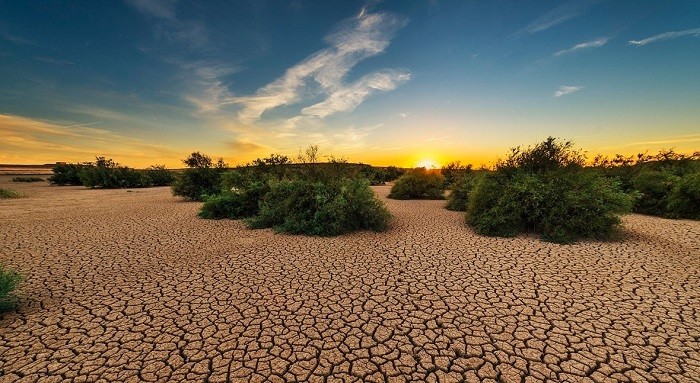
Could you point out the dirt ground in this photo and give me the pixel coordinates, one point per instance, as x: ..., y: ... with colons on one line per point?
x: 129, y: 285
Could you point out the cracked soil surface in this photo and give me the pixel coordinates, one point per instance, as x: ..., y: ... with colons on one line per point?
x: 132, y: 286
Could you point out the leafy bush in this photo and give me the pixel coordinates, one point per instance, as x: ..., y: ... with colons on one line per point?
x: 563, y: 206
x: 8, y: 193
x: 9, y: 280
x: 107, y: 174
x: 545, y: 190
x: 160, y: 175
x: 655, y: 188
x: 684, y: 199
x: 419, y: 184
x: 459, y: 195
x: 239, y: 199
x: 321, y: 208
x: 27, y: 179
x: 66, y: 174
x: 202, y: 178
x: 454, y: 171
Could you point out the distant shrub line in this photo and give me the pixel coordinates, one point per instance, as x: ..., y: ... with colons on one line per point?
x: 312, y: 198
x: 106, y: 174
x: 27, y: 179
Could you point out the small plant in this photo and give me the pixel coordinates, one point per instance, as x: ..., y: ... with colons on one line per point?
x: 160, y: 175
x: 201, y: 179
x: 545, y: 190
x: 9, y: 280
x: 8, y: 193
x: 321, y: 208
x: 27, y: 179
x: 66, y: 174
x: 684, y: 199
x: 419, y: 184
x: 461, y: 188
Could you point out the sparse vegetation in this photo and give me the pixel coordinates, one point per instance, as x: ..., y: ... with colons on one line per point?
x: 419, y: 184
x: 9, y: 280
x: 321, y: 208
x: 107, y: 174
x: 545, y: 189
x: 27, y: 179
x: 311, y: 198
x: 66, y: 174
x: 8, y: 193
x: 160, y: 175
x: 202, y: 178
x: 461, y: 188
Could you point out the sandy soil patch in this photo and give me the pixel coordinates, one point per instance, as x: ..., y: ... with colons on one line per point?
x: 130, y: 286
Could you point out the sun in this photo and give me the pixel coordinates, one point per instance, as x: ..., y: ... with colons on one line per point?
x: 428, y: 164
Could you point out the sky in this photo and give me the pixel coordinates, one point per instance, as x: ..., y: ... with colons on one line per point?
x: 382, y: 82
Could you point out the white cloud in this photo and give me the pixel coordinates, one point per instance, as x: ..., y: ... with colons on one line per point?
x: 347, y: 98
x: 666, y: 36
x: 558, y: 15
x: 586, y: 45
x: 323, y: 72
x: 564, y: 90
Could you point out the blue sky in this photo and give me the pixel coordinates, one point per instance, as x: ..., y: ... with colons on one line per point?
x: 382, y: 82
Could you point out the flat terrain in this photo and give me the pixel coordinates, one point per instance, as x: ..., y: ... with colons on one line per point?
x: 131, y: 286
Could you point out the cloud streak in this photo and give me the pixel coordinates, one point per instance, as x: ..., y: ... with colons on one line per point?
x: 665, y: 36
x: 354, y: 40
x: 558, y: 15
x: 586, y: 45
x: 566, y: 90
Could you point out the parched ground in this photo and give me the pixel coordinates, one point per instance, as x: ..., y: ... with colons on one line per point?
x: 131, y: 286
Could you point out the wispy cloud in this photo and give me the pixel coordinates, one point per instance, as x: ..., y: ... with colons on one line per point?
x: 586, y: 45
x: 565, y: 90
x: 17, y: 39
x: 354, y: 40
x: 558, y: 15
x: 173, y: 28
x: 53, y: 61
x: 666, y: 36
x: 48, y: 141
x: 347, y: 98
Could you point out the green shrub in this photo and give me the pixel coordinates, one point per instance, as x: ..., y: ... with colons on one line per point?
x: 321, y: 208
x: 27, y: 179
x: 107, y: 174
x: 239, y: 199
x: 654, y: 188
x: 684, y: 199
x: 9, y: 280
x: 8, y: 193
x: 202, y: 178
x: 459, y: 195
x: 419, y: 184
x: 66, y: 174
x: 160, y: 175
x: 563, y: 206
x: 545, y: 190
x: 454, y: 171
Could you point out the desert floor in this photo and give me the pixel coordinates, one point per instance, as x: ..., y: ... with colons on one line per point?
x: 129, y: 285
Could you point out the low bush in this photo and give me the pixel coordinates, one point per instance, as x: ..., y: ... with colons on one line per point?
x: 9, y: 280
x: 27, y: 179
x: 239, y: 199
x: 461, y: 188
x: 419, y: 184
x: 321, y: 208
x: 562, y: 206
x: 201, y: 179
x: 8, y: 193
x: 160, y: 175
x: 545, y: 190
x: 684, y: 199
x: 66, y: 174
x: 107, y: 174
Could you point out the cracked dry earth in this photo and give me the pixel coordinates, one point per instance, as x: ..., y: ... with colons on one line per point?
x: 131, y: 286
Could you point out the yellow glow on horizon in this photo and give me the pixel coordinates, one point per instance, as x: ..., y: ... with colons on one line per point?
x: 428, y: 164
